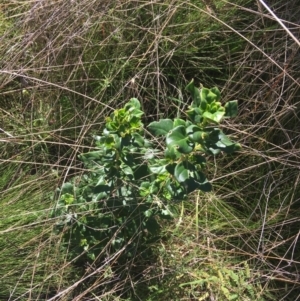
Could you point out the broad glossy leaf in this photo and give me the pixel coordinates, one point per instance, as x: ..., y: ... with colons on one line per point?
x: 145, y: 185
x: 106, y: 132
x: 178, y: 121
x: 215, y: 117
x: 118, y: 141
x: 133, y: 108
x: 162, y: 127
x: 109, y: 141
x: 203, y: 105
x: 135, y: 122
x: 172, y: 154
x: 231, y: 108
x: 196, y: 134
x: 217, y: 106
x: 134, y: 102
x: 178, y: 139
x: 214, y: 151
x: 148, y: 213
x: 192, y: 128
x: 194, y: 114
x: 216, y: 91
x: 211, y: 97
x: 220, y: 144
x: 181, y: 172
x: 127, y: 170
x: 109, y: 156
x: 102, y: 175
x: 138, y: 139
x: 219, y: 115
x: 231, y: 149
x: 158, y: 169
x: 224, y: 140
x: 226, y: 145
x: 95, y: 155
x: 97, y: 137
x: 203, y: 94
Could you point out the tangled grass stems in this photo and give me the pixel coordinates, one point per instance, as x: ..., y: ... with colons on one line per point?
x: 81, y: 59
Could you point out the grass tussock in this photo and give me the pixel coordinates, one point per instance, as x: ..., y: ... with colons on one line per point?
x: 65, y: 65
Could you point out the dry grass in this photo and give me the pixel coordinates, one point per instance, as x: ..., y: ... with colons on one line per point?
x: 66, y: 64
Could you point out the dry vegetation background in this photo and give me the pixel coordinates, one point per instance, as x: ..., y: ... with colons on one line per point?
x: 65, y: 65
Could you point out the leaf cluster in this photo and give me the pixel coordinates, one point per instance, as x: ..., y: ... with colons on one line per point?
x: 132, y: 179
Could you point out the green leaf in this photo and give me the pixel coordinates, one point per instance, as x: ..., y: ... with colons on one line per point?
x: 135, y: 122
x: 194, y: 114
x: 224, y: 141
x: 138, y: 140
x: 231, y: 108
x: 133, y: 107
x: 226, y: 145
x: 148, y: 213
x: 215, y: 117
x: 181, y: 173
x: 214, y: 151
x: 145, y: 189
x: 162, y: 127
x: 178, y: 121
x: 178, y: 139
x: 211, y: 97
x: 158, y: 169
x: 196, y: 134
x: 203, y: 105
x: 203, y: 94
x: 195, y: 93
x: 127, y: 170
x: 133, y: 103
x: 172, y: 153
x: 177, y: 192
x: 68, y: 198
x: 107, y: 141
x: 231, y: 149
x: 95, y: 155
x: 216, y: 91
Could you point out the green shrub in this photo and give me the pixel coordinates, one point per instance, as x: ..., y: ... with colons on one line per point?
x: 134, y: 177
